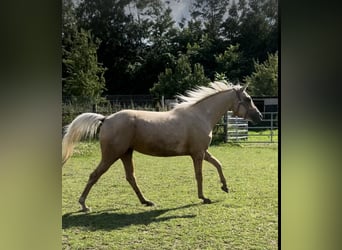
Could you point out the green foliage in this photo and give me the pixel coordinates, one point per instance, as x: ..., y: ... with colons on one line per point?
x: 228, y: 63
x: 220, y: 77
x: 245, y: 218
x: 84, y: 80
x: 257, y: 31
x: 264, y: 80
x: 177, y: 81
x: 230, y: 27
x: 203, y: 52
x: 69, y: 21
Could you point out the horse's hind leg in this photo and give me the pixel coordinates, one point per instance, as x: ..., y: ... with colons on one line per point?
x: 211, y: 159
x: 93, y: 178
x: 129, y: 170
x: 198, y: 161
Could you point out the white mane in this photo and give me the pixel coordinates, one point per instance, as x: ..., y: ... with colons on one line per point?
x: 197, y: 94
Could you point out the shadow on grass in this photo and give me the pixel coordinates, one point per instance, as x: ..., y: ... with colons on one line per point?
x: 106, y: 220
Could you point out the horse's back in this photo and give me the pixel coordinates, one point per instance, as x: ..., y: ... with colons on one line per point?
x: 127, y: 123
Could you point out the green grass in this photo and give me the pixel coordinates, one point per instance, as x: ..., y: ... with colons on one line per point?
x: 245, y: 218
x: 263, y: 136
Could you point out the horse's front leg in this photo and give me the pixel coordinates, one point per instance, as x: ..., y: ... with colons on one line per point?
x: 211, y: 159
x: 198, y: 161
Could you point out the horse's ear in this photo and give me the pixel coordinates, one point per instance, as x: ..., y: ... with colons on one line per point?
x: 244, y: 87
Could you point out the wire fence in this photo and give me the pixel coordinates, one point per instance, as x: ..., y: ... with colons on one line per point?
x: 237, y: 130
x: 268, y: 130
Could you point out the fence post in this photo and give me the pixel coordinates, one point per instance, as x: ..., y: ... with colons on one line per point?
x: 225, y: 127
x: 94, y: 108
x: 272, y: 127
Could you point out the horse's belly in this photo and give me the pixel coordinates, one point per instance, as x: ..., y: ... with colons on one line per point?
x: 162, y: 153
x: 161, y: 147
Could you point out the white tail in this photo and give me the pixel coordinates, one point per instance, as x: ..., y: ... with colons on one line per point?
x: 83, y: 126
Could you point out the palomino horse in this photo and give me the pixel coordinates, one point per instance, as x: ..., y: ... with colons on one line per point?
x: 184, y: 130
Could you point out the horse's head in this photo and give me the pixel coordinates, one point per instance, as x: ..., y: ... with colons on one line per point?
x: 244, y: 106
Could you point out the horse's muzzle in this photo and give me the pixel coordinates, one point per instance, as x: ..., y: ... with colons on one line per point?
x: 260, y: 116
x: 256, y: 118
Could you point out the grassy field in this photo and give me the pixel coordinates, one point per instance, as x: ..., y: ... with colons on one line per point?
x: 245, y: 218
x: 263, y: 136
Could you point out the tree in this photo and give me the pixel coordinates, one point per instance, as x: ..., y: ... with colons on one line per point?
x: 139, y: 40
x: 135, y: 35
x: 264, y: 80
x: 84, y: 81
x: 69, y: 30
x: 257, y: 31
x: 228, y: 63
x: 253, y: 25
x: 69, y: 22
x: 159, y: 50
x: 182, y: 78
x: 230, y: 27
x: 211, y: 13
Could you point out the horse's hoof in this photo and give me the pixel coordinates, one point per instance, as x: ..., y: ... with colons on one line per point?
x: 206, y: 201
x: 85, y: 210
x: 149, y: 203
x: 224, y: 188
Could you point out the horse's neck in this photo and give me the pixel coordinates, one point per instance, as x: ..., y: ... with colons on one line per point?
x: 214, y: 107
